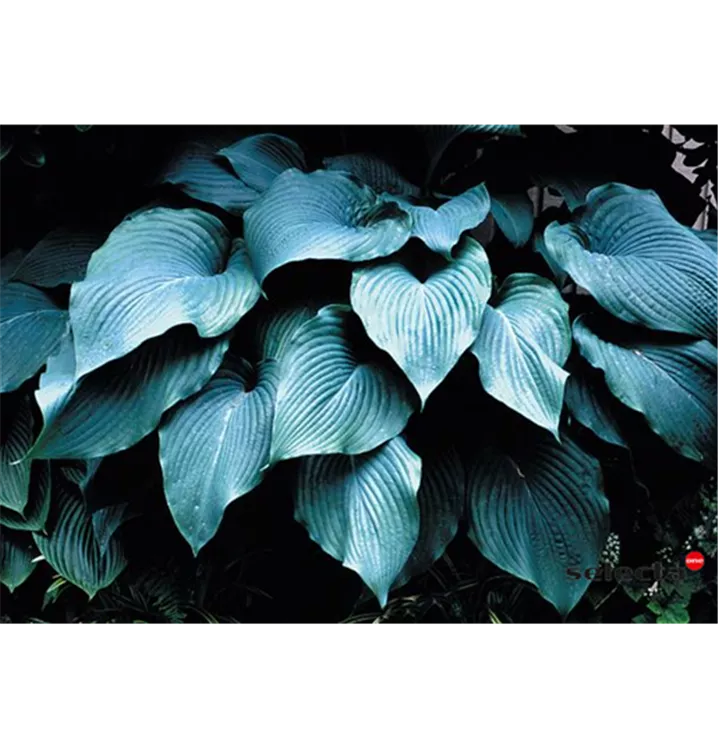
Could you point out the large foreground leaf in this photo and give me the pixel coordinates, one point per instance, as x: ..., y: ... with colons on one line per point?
x: 381, y: 176
x: 330, y: 402
x: 538, y: 510
x: 160, y: 269
x: 72, y: 549
x: 440, y: 228
x: 322, y: 215
x: 16, y: 558
x: 215, y: 446
x: 524, y: 340
x: 363, y: 510
x: 425, y: 326
x: 441, y: 497
x: 31, y: 326
x: 638, y: 262
x: 259, y: 159
x: 671, y: 380
x: 115, y: 407
x: 60, y: 257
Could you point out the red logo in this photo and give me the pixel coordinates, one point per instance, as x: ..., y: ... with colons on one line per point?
x: 695, y: 561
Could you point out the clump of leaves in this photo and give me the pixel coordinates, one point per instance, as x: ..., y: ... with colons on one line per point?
x: 421, y: 346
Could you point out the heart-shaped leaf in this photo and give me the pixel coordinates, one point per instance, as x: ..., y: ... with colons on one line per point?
x: 671, y: 380
x: 638, y: 262
x: 328, y: 401
x: 115, y: 407
x: 321, y: 215
x: 524, y: 340
x: 537, y: 510
x: 362, y: 510
x: 31, y: 326
x: 159, y: 269
x: 215, y: 446
x: 425, y: 326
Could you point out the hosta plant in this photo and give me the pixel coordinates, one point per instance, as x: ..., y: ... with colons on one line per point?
x: 420, y: 345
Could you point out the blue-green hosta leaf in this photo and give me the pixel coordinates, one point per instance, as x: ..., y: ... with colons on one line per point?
x: 60, y: 257
x: 381, y: 176
x: 259, y: 159
x: 439, y: 137
x: 8, y: 264
x: 15, y: 441
x: 72, y: 549
x: 671, y: 382
x: 321, y: 215
x: 539, y: 246
x: 590, y: 402
x: 35, y: 513
x: 514, y: 213
x: 330, y: 402
x: 638, y: 262
x: 31, y: 326
x: 524, y: 340
x: 108, y: 520
x: 441, y: 228
x: 115, y: 407
x: 538, y: 510
x: 215, y: 446
x: 16, y: 558
x: 708, y: 236
x: 441, y: 499
x: 160, y: 269
x: 205, y: 176
x: 425, y: 326
x: 362, y: 510
x: 275, y: 331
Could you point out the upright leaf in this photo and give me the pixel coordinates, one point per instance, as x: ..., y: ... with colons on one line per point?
x: 159, y: 269
x: 72, y: 549
x: 537, y: 510
x: 514, y: 213
x: 258, y: 159
x: 638, y: 262
x: 115, y: 407
x: 524, y: 340
x: 16, y: 558
x: 362, y: 510
x: 31, y: 326
x: 15, y: 441
x: 440, y: 229
x: 328, y: 401
x: 215, y: 446
x: 425, y: 326
x: 671, y: 380
x: 34, y: 515
x: 321, y: 215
